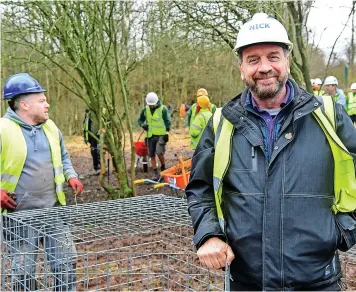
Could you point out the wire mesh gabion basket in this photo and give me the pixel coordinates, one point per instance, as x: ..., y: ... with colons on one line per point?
x: 136, y: 244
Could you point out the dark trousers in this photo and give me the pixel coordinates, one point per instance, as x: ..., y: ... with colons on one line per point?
x: 95, y: 153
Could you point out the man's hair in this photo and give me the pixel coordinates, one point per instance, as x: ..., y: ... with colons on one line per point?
x: 285, y: 51
x: 14, y: 102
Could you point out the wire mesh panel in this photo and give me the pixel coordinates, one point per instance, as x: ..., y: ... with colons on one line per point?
x: 348, y: 266
x: 136, y: 244
x: 141, y: 243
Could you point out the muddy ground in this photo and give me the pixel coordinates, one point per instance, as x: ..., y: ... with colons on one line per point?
x: 178, y: 145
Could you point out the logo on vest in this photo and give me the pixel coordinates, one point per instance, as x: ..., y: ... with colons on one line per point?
x: 259, y: 26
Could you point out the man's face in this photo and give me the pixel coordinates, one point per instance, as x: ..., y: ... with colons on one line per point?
x: 265, y: 70
x: 330, y: 89
x: 153, y: 106
x: 36, y: 107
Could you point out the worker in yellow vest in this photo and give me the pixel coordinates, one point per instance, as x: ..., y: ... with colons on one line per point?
x: 351, y: 103
x: 194, y: 109
x: 200, y: 121
x: 35, y: 165
x: 331, y: 89
x: 156, y: 120
x: 317, y: 91
x: 262, y: 194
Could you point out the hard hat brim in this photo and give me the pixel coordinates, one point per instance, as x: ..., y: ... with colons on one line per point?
x: 10, y: 96
x: 285, y: 46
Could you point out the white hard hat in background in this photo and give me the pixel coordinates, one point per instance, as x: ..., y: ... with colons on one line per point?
x: 317, y: 81
x: 331, y: 80
x: 151, y: 98
x: 261, y: 29
x: 353, y: 86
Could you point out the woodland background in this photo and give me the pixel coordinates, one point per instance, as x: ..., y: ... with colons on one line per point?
x: 108, y: 55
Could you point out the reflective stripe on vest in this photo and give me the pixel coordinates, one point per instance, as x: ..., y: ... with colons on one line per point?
x: 156, y: 125
x: 344, y: 168
x: 351, y: 104
x: 13, y: 141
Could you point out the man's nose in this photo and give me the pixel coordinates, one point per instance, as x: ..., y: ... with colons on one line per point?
x: 265, y: 66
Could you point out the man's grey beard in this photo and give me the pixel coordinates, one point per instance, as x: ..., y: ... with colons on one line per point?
x: 266, y: 94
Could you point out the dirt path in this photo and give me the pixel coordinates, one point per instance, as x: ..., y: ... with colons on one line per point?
x: 82, y: 162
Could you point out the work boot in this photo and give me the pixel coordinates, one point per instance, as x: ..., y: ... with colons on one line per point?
x: 163, y: 167
x: 157, y: 178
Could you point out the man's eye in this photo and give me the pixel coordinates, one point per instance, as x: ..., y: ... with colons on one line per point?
x: 253, y: 61
x: 274, y: 58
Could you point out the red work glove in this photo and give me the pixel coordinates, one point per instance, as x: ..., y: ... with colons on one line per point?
x: 76, y: 185
x: 6, y: 201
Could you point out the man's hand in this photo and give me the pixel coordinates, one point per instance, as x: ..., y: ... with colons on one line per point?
x: 215, y: 253
x: 76, y: 185
x: 145, y: 127
x: 6, y: 201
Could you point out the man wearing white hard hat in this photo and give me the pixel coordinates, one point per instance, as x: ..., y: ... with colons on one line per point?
x: 317, y: 87
x: 331, y: 89
x: 156, y: 120
x: 261, y: 188
x: 351, y: 103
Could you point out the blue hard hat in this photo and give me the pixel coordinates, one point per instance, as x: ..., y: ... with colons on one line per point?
x: 21, y: 83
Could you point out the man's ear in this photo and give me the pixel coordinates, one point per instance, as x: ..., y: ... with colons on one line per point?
x: 288, y: 64
x: 242, y: 74
x: 24, y: 105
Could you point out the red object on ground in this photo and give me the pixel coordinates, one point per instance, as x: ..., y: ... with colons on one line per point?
x: 141, y: 149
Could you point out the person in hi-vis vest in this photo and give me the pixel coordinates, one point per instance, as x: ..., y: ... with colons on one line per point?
x: 156, y: 121
x: 35, y: 165
x: 200, y: 121
x: 194, y: 109
x: 264, y: 189
x: 351, y: 103
x: 331, y: 89
x: 317, y: 91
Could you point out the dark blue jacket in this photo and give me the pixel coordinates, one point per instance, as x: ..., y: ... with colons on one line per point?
x: 278, y: 214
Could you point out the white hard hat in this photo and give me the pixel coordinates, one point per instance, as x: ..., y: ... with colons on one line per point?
x: 353, y: 86
x: 151, y: 98
x: 261, y: 29
x: 317, y: 81
x: 331, y: 80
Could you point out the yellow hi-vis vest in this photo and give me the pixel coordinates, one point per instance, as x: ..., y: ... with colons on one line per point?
x: 156, y: 125
x: 351, y: 103
x: 197, y: 127
x: 344, y: 169
x: 14, y: 152
x: 212, y: 108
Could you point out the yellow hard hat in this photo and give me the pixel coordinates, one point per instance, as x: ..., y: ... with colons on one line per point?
x: 202, y: 91
x: 203, y: 101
